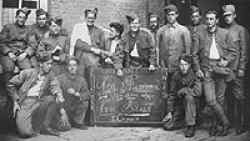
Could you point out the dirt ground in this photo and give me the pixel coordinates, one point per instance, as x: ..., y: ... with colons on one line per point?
x: 128, y: 134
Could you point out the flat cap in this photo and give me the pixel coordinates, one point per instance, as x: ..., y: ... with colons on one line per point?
x: 228, y: 9
x: 24, y: 10
x: 170, y: 8
x: 131, y: 17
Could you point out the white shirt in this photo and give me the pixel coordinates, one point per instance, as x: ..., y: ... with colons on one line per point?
x: 214, y: 53
x: 35, y: 90
x: 134, y: 52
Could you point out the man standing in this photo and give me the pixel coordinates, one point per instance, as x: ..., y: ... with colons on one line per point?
x: 32, y: 92
x: 16, y: 52
x: 154, y: 25
x: 87, y: 41
x: 240, y: 38
x: 213, y: 53
x: 186, y: 86
x: 138, y: 46
x: 173, y: 40
x: 196, y: 20
x: 76, y: 94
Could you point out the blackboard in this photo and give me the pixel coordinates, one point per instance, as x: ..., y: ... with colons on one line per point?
x: 134, y: 98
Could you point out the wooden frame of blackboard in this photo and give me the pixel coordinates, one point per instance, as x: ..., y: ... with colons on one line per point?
x: 97, y: 122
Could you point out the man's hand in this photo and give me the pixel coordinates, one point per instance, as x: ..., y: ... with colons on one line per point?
x: 200, y: 74
x: 168, y: 117
x: 95, y: 50
x: 183, y: 91
x: 16, y: 107
x: 56, y: 58
x: 22, y: 56
x: 12, y: 56
x: 71, y: 91
x: 77, y: 94
x: 223, y: 63
x: 60, y: 98
x: 241, y: 73
x: 152, y: 68
x: 108, y: 60
x: 119, y: 72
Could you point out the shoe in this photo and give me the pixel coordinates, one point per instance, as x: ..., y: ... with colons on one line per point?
x: 240, y: 130
x: 50, y: 131
x: 225, y: 130
x: 212, y: 131
x: 80, y: 126
x: 190, y: 131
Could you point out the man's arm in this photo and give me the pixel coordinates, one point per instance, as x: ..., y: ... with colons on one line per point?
x: 84, y: 91
x: 187, y: 40
x: 4, y: 40
x: 14, y: 83
x: 244, y: 42
x: 196, y: 51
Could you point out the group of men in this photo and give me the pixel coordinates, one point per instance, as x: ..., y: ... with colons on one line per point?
x: 44, y: 66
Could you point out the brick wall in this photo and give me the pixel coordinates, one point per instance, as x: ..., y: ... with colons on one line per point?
x: 109, y: 10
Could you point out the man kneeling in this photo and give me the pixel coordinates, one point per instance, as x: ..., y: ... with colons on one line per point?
x: 186, y: 86
x: 76, y: 94
x: 33, y: 92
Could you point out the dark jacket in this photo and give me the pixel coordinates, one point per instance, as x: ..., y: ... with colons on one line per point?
x: 180, y: 81
x: 15, y: 39
x: 202, y: 43
x: 240, y: 38
x: 145, y: 48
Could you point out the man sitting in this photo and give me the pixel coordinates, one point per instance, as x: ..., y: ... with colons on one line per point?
x: 76, y: 94
x: 186, y: 86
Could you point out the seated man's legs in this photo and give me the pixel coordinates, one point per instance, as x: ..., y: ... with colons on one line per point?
x: 190, y: 115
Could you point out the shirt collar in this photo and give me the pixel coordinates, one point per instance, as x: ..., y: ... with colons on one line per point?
x: 175, y: 25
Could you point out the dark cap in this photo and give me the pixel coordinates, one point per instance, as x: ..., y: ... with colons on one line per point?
x: 118, y: 27
x: 131, y: 17
x: 57, y: 20
x: 24, y: 10
x: 94, y: 11
x: 44, y: 57
x: 170, y: 8
x: 41, y: 12
x: 186, y: 58
x: 194, y: 9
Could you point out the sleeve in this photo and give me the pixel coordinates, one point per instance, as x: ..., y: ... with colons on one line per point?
x: 84, y: 91
x: 14, y: 83
x: 230, y: 49
x: 81, y: 45
x: 187, y: 40
x: 4, y: 39
x: 152, y: 55
x: 244, y: 42
x: 196, y: 51
x: 158, y: 46
x: 125, y: 51
x: 196, y: 88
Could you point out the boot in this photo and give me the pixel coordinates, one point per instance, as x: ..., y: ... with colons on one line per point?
x: 190, y: 131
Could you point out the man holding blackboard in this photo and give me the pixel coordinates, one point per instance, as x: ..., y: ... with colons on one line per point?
x: 184, y: 85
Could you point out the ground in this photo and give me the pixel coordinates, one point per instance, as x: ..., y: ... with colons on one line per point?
x: 129, y: 134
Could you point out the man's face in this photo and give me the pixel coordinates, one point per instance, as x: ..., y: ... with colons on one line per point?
x: 46, y: 66
x: 184, y: 66
x: 153, y: 22
x: 135, y: 25
x: 72, y: 67
x: 41, y: 20
x: 196, y: 18
x: 21, y: 19
x: 172, y: 17
x: 90, y: 19
x: 54, y: 28
x: 229, y: 18
x: 211, y: 20
x: 113, y: 33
